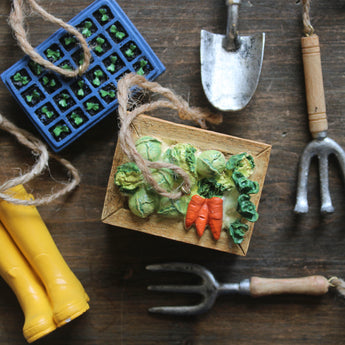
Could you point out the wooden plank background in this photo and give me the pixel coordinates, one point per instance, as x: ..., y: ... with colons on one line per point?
x: 111, y: 261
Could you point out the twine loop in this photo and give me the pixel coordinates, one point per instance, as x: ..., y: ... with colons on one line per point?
x: 125, y: 87
x: 308, y: 28
x: 338, y: 284
x: 17, y: 22
x: 39, y: 150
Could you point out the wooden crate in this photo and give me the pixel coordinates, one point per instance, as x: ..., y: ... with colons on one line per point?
x: 116, y: 212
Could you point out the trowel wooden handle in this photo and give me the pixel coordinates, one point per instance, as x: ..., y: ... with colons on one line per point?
x: 312, y: 285
x: 314, y: 85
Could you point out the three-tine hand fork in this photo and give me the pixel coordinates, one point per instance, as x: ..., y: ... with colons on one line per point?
x: 210, y: 288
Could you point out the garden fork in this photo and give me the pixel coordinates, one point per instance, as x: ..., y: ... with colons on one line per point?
x: 321, y: 146
x: 210, y: 288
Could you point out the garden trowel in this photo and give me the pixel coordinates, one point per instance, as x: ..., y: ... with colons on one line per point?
x: 230, y: 64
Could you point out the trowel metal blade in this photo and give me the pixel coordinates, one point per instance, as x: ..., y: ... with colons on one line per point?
x: 230, y: 79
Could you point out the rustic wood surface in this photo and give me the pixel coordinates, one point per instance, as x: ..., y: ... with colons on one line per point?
x: 111, y: 261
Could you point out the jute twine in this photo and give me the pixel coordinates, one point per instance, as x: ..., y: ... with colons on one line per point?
x: 17, y: 22
x: 40, y: 150
x: 128, y: 83
x: 308, y: 28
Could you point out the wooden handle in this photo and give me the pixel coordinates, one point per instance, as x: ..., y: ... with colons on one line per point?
x: 314, y: 85
x: 312, y: 285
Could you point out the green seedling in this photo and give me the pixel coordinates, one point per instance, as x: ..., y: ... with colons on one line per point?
x: 142, y: 64
x: 118, y: 34
x: 92, y: 106
x: 130, y: 51
x: 66, y: 66
x: 34, y: 96
x: 36, y: 68
x: 48, y: 82
x: 100, y: 41
x: 53, y: 54
x: 69, y: 40
x: 86, y: 29
x: 106, y: 93
x: 80, y: 92
x: 77, y: 119
x: 103, y: 12
x: 63, y: 101
x: 59, y: 129
x: 98, y: 74
x: 48, y: 113
x: 22, y: 79
x: 112, y: 66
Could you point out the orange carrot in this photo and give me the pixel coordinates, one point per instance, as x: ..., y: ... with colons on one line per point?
x: 215, y: 206
x: 202, y: 219
x: 193, y: 209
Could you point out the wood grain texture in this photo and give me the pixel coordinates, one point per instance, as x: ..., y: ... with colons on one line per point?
x: 111, y: 262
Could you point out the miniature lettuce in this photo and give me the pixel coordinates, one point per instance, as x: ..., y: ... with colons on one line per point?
x: 208, y: 188
x: 237, y: 231
x: 182, y: 155
x: 246, y: 208
x: 149, y: 148
x: 210, y: 163
x: 244, y: 185
x: 242, y: 162
x: 142, y: 203
x: 128, y: 178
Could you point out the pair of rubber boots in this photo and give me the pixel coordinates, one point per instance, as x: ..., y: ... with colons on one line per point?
x: 48, y: 292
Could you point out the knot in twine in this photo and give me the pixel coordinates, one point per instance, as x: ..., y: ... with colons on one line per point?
x: 308, y: 28
x: 128, y: 83
x: 338, y: 284
x: 17, y: 21
x: 40, y: 150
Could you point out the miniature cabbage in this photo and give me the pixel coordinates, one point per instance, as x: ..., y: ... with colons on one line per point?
x: 237, y: 231
x: 210, y: 163
x: 244, y: 185
x: 182, y: 155
x: 242, y: 162
x: 246, y: 208
x: 142, y: 203
x: 128, y: 177
x: 149, y: 148
x: 164, y: 178
x: 173, y: 208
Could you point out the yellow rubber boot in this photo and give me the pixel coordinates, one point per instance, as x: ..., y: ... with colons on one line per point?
x: 31, y: 295
x: 31, y: 235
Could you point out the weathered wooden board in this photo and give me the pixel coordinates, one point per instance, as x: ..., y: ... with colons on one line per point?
x: 116, y: 212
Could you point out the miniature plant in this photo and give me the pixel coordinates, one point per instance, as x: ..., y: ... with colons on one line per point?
x: 92, y: 106
x: 35, y: 67
x: 48, y: 82
x: 81, y: 92
x: 99, y: 42
x: 112, y: 66
x: 130, y: 51
x: 98, y: 74
x: 21, y: 79
x: 53, y: 55
x: 86, y: 30
x: 117, y: 33
x: 66, y: 66
x: 142, y: 64
x: 63, y: 101
x: 34, y: 96
x: 69, y: 40
x: 107, y: 93
x: 104, y: 15
x: 77, y: 119
x: 59, y: 129
x: 48, y: 113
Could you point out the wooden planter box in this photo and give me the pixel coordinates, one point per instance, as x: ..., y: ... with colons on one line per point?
x: 116, y: 212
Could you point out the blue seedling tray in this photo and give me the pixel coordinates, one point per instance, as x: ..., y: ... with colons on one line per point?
x: 62, y: 109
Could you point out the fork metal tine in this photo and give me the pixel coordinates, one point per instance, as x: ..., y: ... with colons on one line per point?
x: 196, y: 289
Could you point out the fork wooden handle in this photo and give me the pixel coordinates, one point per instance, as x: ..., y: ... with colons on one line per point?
x: 312, y: 285
x: 314, y: 85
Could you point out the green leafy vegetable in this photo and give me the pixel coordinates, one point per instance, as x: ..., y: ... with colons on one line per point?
x: 130, y: 51
x: 98, y: 74
x: 34, y: 96
x: 115, y: 31
x: 63, y: 101
x: 49, y: 114
x: 237, y: 231
x: 128, y: 177
x: 208, y: 188
x: 242, y: 162
x: 142, y: 203
x: 149, y: 148
x: 210, y: 163
x: 58, y: 130
x: 92, y: 106
x: 106, y: 93
x: 22, y: 79
x: 100, y: 41
x: 86, y: 29
x: 78, y: 120
x: 69, y: 40
x: 246, y: 208
x: 53, y: 54
x: 173, y: 208
x: 142, y: 64
x: 244, y: 185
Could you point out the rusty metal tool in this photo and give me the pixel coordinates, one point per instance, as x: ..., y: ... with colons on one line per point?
x: 210, y: 288
x: 321, y: 146
x: 230, y: 64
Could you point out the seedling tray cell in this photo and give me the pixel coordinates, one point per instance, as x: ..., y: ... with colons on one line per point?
x: 61, y: 108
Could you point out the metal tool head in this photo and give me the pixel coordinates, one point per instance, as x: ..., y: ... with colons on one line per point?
x: 321, y: 148
x: 230, y: 64
x: 209, y: 288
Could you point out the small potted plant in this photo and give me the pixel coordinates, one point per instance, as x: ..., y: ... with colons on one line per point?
x: 103, y: 15
x: 46, y: 114
x: 21, y: 79
x: 77, y: 118
x: 93, y: 106
x: 60, y: 131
